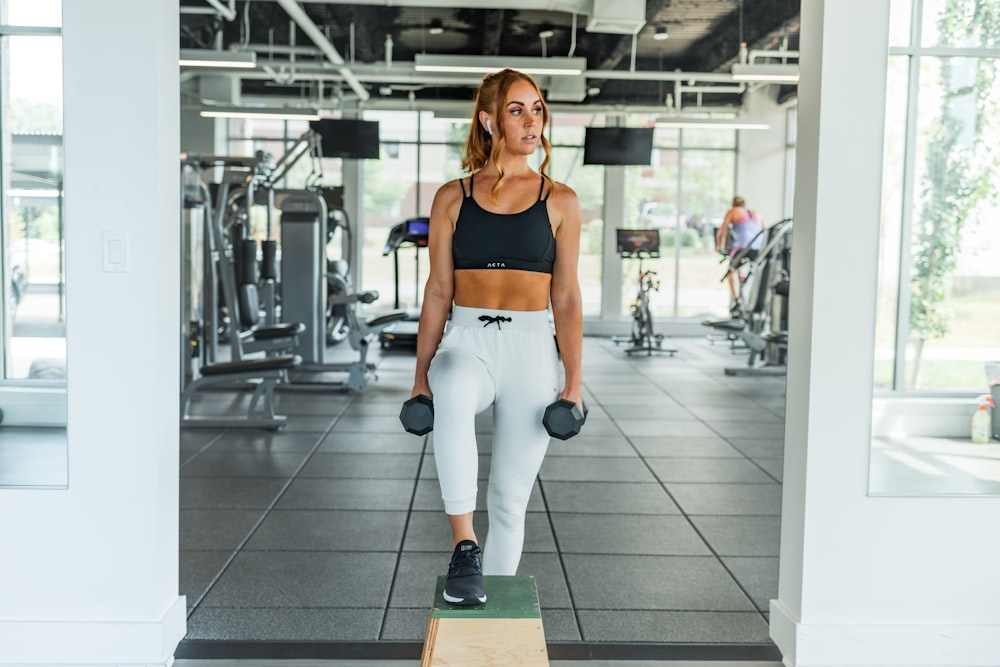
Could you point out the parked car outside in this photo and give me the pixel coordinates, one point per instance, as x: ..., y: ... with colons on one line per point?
x: 657, y: 215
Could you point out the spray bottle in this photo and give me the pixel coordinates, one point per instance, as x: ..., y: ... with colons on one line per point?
x: 982, y: 421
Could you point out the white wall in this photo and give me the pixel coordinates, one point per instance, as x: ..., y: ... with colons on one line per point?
x: 863, y: 580
x: 90, y: 574
x: 760, y: 165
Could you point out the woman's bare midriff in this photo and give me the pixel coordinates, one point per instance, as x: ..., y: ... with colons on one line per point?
x: 502, y: 289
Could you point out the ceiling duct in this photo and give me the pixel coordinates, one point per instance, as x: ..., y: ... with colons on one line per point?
x: 567, y: 89
x: 619, y: 17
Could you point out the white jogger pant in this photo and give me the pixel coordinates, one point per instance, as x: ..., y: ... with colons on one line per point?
x: 506, y: 359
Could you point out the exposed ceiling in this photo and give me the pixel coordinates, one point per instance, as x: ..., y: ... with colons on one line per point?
x: 379, y: 39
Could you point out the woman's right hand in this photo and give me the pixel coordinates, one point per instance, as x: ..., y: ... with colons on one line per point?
x: 421, y: 389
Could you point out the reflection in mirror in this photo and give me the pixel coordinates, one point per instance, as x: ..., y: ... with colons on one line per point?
x: 32, y: 388
x: 938, y: 319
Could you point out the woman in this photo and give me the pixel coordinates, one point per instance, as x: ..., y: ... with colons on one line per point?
x: 504, y: 243
x: 746, y: 228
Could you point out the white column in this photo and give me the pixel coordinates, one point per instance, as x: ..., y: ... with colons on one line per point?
x: 89, y: 574
x: 863, y: 580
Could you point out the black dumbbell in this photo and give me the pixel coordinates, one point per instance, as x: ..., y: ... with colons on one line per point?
x: 563, y: 419
x: 417, y: 415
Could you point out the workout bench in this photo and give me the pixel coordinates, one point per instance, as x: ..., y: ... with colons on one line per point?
x: 265, y: 373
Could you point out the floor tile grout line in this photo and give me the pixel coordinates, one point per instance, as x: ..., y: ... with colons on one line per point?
x: 266, y: 512
x: 402, y: 540
x: 562, y: 561
x: 204, y: 448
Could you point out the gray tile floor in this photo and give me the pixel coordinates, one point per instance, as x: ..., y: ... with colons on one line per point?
x: 653, y: 534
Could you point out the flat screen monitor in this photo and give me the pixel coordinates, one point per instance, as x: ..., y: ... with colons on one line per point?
x: 618, y: 145
x: 348, y: 138
x: 638, y: 242
x: 417, y: 229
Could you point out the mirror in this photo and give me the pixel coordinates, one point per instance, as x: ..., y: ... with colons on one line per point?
x: 32, y: 385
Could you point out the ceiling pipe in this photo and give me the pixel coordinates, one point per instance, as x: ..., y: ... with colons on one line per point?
x: 569, y: 6
x: 228, y: 13
x: 312, y: 31
x: 779, y: 54
x: 463, y: 109
x: 404, y: 73
x: 572, y: 37
x: 207, y: 11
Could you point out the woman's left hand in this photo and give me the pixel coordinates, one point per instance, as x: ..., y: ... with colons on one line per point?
x: 574, y: 396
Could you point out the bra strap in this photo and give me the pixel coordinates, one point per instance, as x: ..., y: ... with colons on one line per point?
x: 541, y: 189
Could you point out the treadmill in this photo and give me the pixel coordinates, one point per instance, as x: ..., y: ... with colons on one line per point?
x: 411, y: 233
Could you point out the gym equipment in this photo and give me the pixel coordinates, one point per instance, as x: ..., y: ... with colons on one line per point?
x: 417, y: 415
x: 263, y: 373
x: 338, y: 229
x: 641, y: 244
x: 412, y: 232
x: 764, y: 327
x: 563, y: 419
x: 304, y: 282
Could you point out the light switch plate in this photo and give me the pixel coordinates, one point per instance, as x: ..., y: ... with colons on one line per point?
x: 114, y: 246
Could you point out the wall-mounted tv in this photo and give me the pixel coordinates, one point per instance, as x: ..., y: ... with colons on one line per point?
x: 348, y: 138
x: 618, y: 145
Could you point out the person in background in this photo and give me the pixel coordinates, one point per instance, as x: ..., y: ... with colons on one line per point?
x: 504, y: 244
x: 741, y: 228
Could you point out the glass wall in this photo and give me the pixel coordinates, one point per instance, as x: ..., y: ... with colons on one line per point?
x: 32, y: 183
x: 684, y: 193
x: 939, y: 290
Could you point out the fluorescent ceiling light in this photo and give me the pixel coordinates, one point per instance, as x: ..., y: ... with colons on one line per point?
x: 207, y: 58
x: 766, y: 72
x: 275, y: 113
x: 425, y: 62
x: 454, y: 116
x: 711, y: 123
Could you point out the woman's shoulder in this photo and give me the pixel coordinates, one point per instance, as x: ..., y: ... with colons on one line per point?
x: 451, y: 191
x: 560, y: 193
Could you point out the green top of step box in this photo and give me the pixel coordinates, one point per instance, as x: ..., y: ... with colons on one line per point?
x: 506, y: 597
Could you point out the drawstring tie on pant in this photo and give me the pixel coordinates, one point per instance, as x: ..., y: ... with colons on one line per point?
x: 494, y: 319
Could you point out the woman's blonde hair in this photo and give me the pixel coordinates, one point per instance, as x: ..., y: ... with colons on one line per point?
x: 739, y: 201
x: 481, y: 147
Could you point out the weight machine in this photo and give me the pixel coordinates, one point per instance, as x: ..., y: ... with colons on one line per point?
x: 305, y: 280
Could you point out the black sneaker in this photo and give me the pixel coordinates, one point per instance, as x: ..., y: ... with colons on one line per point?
x: 464, y: 584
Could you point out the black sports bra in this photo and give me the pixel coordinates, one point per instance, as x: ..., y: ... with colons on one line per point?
x: 486, y: 240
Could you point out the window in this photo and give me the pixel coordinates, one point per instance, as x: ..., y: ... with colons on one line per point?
x: 939, y: 289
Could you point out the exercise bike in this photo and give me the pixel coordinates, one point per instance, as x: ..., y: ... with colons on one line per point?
x: 641, y: 244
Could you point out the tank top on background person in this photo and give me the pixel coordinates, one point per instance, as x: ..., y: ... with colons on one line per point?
x: 745, y: 230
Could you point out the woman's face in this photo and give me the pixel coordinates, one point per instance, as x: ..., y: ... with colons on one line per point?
x: 523, y: 118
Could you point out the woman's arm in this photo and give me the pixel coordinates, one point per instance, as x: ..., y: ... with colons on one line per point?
x: 723, y: 231
x: 440, y: 287
x: 567, y: 304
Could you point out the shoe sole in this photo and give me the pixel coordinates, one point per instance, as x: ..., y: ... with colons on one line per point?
x: 468, y: 601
